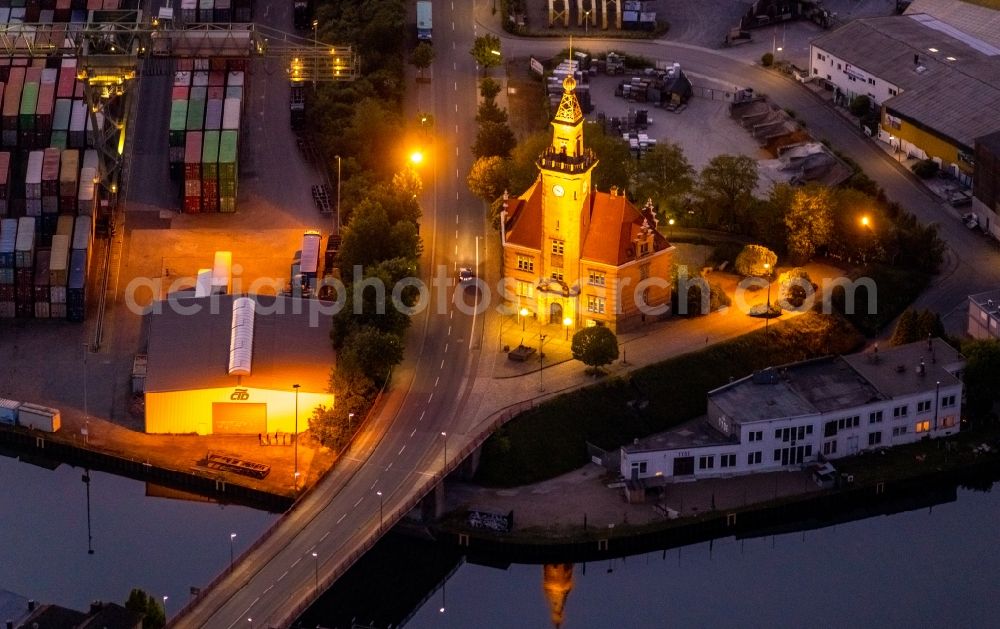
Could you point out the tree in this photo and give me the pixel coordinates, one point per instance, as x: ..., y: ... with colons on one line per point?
x: 486, y: 51
x: 795, y: 286
x: 489, y: 177
x: 767, y: 59
x: 371, y: 352
x: 729, y: 181
x: 374, y: 309
x: 617, y: 165
x: 366, y: 238
x: 493, y: 138
x: 664, y: 175
x: 981, y: 376
x: 860, y: 105
x: 488, y: 89
x: 595, y: 347
x: 751, y: 261
x: 153, y: 614
x: 422, y: 57
x: 809, y: 221
x: 906, y: 328
x: 523, y: 171
x: 489, y: 111
x: 914, y: 326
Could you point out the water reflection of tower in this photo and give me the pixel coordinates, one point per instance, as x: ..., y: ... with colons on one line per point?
x: 557, y: 581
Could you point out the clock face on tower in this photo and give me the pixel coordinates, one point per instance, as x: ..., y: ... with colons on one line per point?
x: 558, y: 190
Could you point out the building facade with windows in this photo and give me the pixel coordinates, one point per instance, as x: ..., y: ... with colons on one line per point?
x: 986, y: 183
x: 936, y: 87
x: 784, y: 417
x: 984, y: 315
x: 574, y: 253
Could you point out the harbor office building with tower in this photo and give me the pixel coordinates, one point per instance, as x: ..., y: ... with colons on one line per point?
x: 576, y: 256
x: 228, y: 364
x: 784, y: 417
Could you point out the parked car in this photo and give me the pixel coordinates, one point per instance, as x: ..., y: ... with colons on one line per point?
x: 971, y: 220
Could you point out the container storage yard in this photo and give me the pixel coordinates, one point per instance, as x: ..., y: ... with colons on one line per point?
x: 205, y: 111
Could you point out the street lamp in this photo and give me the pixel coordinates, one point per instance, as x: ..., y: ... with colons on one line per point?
x: 586, y: 23
x: 315, y: 46
x: 379, y: 494
x: 336, y: 222
x: 416, y: 157
x: 165, y: 597
x: 295, y: 437
x: 524, y: 315
x: 316, y: 565
x: 350, y: 422
x: 232, y: 538
x: 86, y: 409
x: 445, y: 435
x: 566, y: 323
x: 541, y: 360
x: 767, y: 313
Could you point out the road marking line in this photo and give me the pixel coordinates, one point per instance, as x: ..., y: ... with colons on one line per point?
x: 436, y: 380
x: 388, y: 467
x: 456, y: 216
x: 430, y: 397
x: 401, y: 450
x: 325, y: 535
x: 442, y: 364
x: 451, y: 314
x: 341, y: 518
x: 421, y: 416
x: 413, y: 433
x: 374, y: 482
x: 456, y: 231
x: 282, y: 576
x: 268, y: 589
x: 296, y: 562
x: 359, y: 501
x: 456, y: 196
x: 445, y: 348
x: 456, y: 249
x: 449, y: 330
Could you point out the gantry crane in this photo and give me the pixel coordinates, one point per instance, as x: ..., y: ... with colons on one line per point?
x: 115, y: 47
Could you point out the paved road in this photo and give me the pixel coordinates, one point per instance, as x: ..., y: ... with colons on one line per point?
x: 342, y: 514
x: 432, y: 390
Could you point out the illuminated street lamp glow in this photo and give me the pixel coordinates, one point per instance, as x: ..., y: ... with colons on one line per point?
x: 567, y: 322
x: 864, y: 221
x: 524, y: 315
x: 495, y: 52
x: 416, y: 157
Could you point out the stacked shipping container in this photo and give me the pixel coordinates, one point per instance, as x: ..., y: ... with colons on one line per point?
x: 216, y: 11
x: 205, y: 113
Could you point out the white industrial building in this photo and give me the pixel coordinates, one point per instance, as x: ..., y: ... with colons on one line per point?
x: 984, y: 315
x: 227, y: 365
x: 784, y: 417
x: 937, y: 85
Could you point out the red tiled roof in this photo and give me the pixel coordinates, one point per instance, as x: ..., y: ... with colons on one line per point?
x: 611, y: 216
x: 525, y: 219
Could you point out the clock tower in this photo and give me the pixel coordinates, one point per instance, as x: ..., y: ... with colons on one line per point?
x: 565, y: 168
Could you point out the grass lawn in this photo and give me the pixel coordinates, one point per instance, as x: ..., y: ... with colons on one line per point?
x: 896, y: 289
x: 551, y: 439
x: 526, y: 107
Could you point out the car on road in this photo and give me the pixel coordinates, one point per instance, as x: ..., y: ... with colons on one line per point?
x: 465, y: 275
x: 971, y: 220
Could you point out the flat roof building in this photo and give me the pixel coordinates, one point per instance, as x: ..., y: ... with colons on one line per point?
x: 784, y: 417
x: 205, y: 376
x: 938, y: 86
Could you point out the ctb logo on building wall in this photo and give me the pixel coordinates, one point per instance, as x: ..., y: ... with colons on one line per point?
x: 239, y: 395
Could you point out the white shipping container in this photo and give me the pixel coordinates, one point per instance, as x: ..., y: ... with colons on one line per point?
x: 77, y: 116
x: 39, y: 417
x: 183, y: 78
x: 24, y: 250
x: 90, y: 159
x: 200, y: 79
x: 222, y: 273
x: 85, y: 197
x: 8, y: 411
x: 57, y: 295
x: 50, y: 75
x: 234, y: 78
x: 231, y: 114
x: 33, y: 176
x: 203, y: 288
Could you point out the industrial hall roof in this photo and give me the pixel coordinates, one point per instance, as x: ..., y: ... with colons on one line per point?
x: 291, y: 345
x: 948, y: 81
x: 611, y: 225
x: 980, y: 22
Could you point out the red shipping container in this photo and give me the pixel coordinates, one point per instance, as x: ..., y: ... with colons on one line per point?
x: 179, y: 92
x: 184, y: 65
x: 217, y: 63
x: 46, y: 103
x: 217, y: 78
x: 192, y: 205
x: 210, y: 195
x: 67, y: 79
x: 192, y: 155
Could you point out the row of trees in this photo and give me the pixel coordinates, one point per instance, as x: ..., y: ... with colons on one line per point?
x: 361, y: 121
